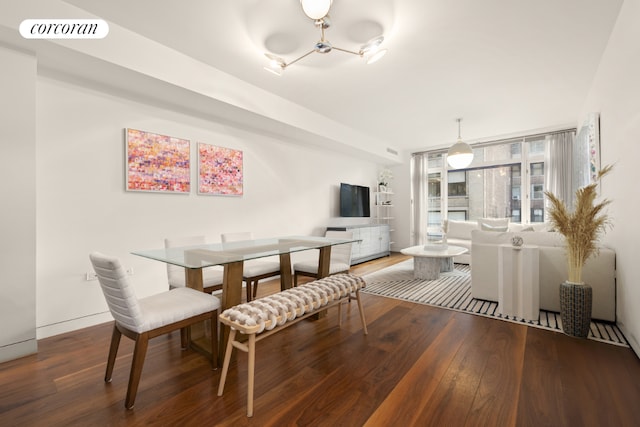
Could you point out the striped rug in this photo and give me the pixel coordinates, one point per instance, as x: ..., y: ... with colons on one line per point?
x: 453, y: 291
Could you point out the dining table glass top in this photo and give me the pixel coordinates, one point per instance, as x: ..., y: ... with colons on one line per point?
x: 207, y: 255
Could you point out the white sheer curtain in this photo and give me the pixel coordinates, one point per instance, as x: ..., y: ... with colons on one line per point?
x: 559, y: 165
x: 419, y: 198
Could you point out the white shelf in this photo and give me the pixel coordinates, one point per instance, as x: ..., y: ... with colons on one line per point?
x: 383, y: 203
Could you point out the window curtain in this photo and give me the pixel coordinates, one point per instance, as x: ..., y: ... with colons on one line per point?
x: 419, y: 199
x: 559, y: 166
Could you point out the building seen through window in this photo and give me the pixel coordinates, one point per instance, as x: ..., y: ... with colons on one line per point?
x: 505, y: 180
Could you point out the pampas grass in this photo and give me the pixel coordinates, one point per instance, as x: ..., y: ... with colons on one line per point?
x: 581, y: 228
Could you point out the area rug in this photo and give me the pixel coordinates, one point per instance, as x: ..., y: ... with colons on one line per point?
x: 453, y: 291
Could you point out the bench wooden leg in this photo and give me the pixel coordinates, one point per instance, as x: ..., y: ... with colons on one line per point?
x: 361, y: 310
x: 227, y: 359
x: 250, y: 373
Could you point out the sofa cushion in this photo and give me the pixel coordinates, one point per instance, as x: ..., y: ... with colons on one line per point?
x: 517, y: 227
x: 459, y: 229
x: 487, y: 227
x: 541, y: 226
x: 493, y: 224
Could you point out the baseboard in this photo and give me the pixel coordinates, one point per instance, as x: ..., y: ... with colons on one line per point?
x: 370, y: 257
x: 17, y: 350
x: 72, y: 325
x: 631, y: 339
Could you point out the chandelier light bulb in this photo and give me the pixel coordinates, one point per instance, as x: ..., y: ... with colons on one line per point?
x: 372, y: 46
x: 316, y: 9
x: 460, y: 155
x: 376, y: 56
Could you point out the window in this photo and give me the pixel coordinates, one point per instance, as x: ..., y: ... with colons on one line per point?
x: 515, y: 192
x: 537, y: 215
x: 505, y: 180
x: 434, y: 215
x: 434, y: 185
x: 537, y: 191
x: 457, y: 184
x: 537, y: 169
x: 457, y: 215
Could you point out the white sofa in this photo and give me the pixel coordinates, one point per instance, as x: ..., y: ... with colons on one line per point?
x: 459, y: 232
x: 599, y: 271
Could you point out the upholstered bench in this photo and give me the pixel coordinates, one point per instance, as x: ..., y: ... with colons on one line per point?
x: 265, y: 316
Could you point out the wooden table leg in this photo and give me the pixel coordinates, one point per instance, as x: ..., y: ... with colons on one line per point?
x: 231, y: 296
x: 197, y: 337
x: 324, y: 261
x: 193, y: 278
x: 286, y: 281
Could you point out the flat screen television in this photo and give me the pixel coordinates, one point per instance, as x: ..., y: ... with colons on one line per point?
x: 354, y: 200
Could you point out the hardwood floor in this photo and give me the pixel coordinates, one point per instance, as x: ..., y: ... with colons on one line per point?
x: 419, y: 365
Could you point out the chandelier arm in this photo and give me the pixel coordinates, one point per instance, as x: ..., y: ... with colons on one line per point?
x: 347, y: 51
x: 298, y: 59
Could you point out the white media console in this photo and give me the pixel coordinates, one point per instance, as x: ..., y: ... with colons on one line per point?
x: 374, y: 241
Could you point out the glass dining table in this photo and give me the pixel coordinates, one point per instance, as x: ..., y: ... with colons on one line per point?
x: 231, y: 256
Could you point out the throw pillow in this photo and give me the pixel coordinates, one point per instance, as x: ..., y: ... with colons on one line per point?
x: 487, y: 227
x: 494, y: 224
x: 460, y: 229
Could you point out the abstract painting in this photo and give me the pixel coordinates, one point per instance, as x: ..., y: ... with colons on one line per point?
x: 219, y: 170
x: 157, y: 162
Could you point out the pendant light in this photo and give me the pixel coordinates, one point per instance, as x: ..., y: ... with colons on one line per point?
x: 318, y: 11
x: 460, y: 155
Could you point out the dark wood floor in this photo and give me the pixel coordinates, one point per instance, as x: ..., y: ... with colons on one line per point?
x: 419, y: 365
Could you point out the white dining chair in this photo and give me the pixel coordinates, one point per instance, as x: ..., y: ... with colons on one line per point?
x: 339, y: 262
x: 211, y: 276
x: 146, y: 318
x: 253, y: 270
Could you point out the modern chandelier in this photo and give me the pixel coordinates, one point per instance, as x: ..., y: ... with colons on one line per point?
x: 460, y: 155
x: 318, y: 10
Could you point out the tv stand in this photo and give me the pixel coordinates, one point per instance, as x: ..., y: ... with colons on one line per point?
x: 374, y: 241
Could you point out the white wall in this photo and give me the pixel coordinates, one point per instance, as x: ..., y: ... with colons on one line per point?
x: 82, y: 206
x: 615, y: 93
x: 401, y: 224
x: 18, y: 195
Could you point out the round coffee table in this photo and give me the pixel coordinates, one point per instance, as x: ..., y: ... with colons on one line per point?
x: 428, y: 262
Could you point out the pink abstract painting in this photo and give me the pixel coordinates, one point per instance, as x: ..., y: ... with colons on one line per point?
x: 157, y: 162
x: 219, y: 170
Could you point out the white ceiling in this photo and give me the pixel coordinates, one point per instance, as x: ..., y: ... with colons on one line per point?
x: 505, y: 66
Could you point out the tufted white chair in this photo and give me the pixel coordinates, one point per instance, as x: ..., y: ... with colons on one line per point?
x: 340, y: 261
x: 146, y: 318
x: 253, y: 270
x: 211, y: 276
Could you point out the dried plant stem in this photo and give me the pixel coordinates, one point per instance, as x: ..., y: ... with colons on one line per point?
x: 582, y: 227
